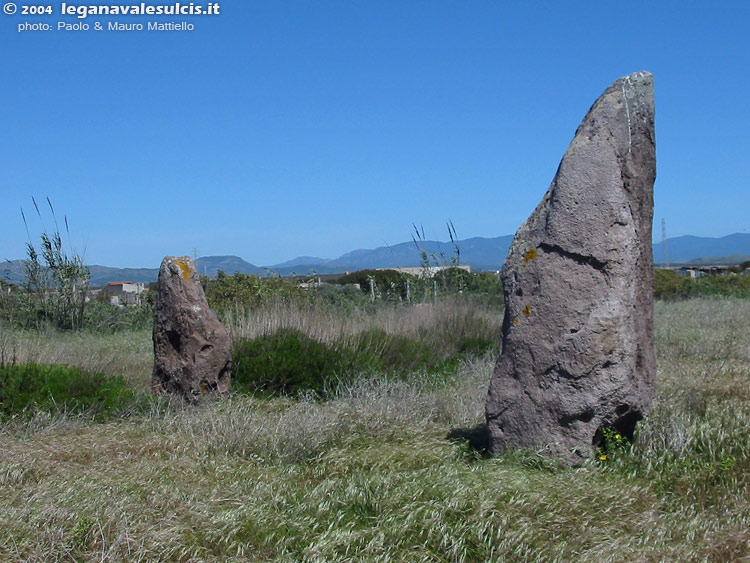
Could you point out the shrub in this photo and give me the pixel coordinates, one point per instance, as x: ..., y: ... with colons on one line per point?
x: 456, y: 279
x: 239, y: 291
x: 393, y: 353
x: 484, y: 287
x: 103, y: 317
x: 668, y: 284
x: 388, y: 283
x: 723, y: 286
x: 288, y: 362
x: 25, y: 387
x: 346, y: 297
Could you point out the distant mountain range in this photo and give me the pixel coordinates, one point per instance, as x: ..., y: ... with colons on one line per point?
x: 682, y: 250
x: 478, y: 252
x: 210, y: 266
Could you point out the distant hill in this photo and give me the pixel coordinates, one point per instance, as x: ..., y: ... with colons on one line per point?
x: 721, y: 260
x: 102, y: 275
x: 12, y: 271
x: 489, y: 254
x: 210, y: 266
x: 309, y: 269
x: 301, y: 261
x: 682, y: 250
x: 478, y: 252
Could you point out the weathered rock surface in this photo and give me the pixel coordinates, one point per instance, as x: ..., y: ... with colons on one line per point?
x: 577, y: 353
x: 192, y: 349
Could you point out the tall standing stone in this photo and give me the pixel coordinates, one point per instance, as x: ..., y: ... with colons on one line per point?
x: 192, y: 349
x: 577, y: 354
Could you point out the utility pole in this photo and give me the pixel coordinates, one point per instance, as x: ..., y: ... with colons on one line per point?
x: 664, y: 253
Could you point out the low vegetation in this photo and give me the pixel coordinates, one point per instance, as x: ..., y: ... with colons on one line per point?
x: 670, y: 285
x: 386, y: 464
x: 56, y: 279
x: 63, y: 390
x: 288, y: 362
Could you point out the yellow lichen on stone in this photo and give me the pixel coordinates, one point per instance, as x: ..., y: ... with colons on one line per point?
x: 531, y: 254
x: 184, y: 268
x: 515, y: 321
x: 527, y: 311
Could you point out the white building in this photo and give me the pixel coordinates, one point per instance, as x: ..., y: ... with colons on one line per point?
x: 123, y: 293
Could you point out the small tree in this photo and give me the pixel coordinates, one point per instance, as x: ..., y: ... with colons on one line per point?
x: 56, y: 282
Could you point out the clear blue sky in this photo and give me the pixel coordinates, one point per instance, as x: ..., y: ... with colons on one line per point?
x: 287, y: 128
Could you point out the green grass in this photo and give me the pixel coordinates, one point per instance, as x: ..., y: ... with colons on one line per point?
x: 289, y: 362
x: 26, y: 388
x: 370, y: 475
x: 129, y: 354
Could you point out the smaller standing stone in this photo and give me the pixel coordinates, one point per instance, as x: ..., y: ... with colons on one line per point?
x: 192, y: 349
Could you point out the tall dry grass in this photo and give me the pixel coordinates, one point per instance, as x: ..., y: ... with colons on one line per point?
x: 329, y: 324
x: 128, y: 353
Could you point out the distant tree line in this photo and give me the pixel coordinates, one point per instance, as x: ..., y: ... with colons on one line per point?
x: 670, y: 285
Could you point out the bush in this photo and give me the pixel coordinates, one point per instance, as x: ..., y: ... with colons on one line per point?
x: 722, y: 286
x: 346, y: 297
x: 103, y: 317
x: 388, y: 283
x: 393, y: 353
x: 288, y: 362
x: 668, y: 284
x: 484, y: 287
x: 456, y: 279
x: 240, y: 291
x: 59, y: 388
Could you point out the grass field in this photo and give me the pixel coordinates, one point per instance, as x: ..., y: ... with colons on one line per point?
x: 380, y: 472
